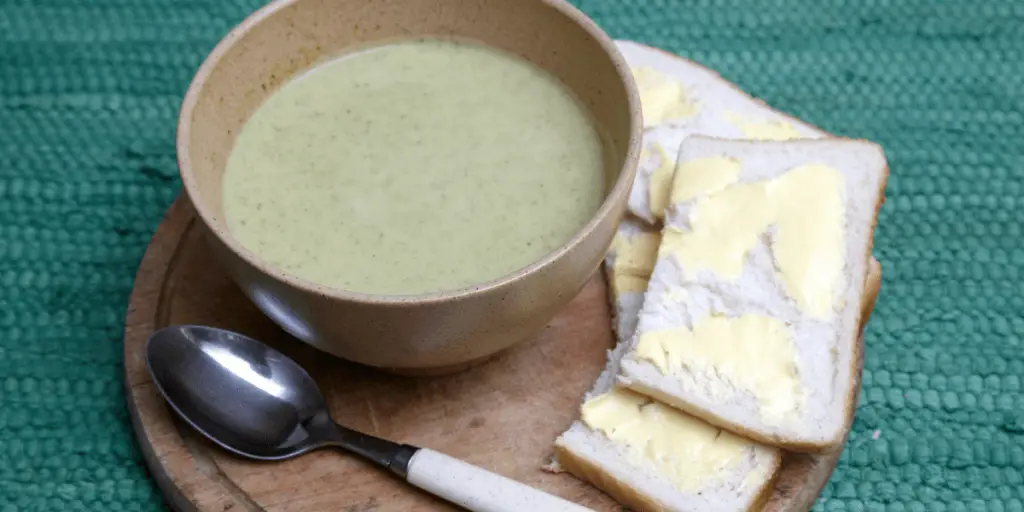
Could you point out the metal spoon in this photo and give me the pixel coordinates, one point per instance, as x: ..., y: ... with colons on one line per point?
x: 257, y: 403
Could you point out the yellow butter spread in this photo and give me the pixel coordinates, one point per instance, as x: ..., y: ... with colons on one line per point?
x: 662, y: 98
x: 685, y: 450
x: 763, y: 130
x: 804, y: 209
x: 702, y: 176
x: 753, y: 352
x: 661, y: 181
x: 635, y: 255
x: 625, y: 283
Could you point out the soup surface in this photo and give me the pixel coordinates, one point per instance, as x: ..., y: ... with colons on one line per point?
x: 414, y: 167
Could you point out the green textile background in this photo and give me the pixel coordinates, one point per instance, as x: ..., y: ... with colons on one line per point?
x: 89, y: 91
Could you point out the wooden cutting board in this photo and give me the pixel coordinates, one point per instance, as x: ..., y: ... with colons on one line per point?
x: 502, y: 415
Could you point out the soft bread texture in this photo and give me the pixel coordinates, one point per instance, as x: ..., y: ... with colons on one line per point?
x: 717, y: 108
x: 825, y: 348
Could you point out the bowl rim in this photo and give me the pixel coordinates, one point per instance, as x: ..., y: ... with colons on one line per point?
x: 621, y: 187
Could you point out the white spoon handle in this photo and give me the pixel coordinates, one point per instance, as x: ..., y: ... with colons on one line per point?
x: 477, y: 489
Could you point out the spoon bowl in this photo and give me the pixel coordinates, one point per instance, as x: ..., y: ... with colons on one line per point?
x: 242, y: 394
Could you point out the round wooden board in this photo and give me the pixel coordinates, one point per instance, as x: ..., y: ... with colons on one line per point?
x: 502, y: 415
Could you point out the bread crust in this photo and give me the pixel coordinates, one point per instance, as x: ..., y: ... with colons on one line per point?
x: 872, y: 287
x: 612, y: 299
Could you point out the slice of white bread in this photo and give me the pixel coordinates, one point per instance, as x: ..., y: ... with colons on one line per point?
x: 681, y: 98
x: 793, y: 388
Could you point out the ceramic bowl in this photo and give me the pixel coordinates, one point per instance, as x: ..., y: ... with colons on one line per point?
x: 410, y: 334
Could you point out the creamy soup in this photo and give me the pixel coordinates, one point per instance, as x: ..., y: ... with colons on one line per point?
x: 414, y: 167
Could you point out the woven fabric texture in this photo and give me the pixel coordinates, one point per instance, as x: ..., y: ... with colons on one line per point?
x: 89, y: 91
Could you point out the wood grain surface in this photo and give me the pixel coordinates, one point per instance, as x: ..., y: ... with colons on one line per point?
x: 502, y: 415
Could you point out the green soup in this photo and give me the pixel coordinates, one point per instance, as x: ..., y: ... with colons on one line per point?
x: 412, y: 168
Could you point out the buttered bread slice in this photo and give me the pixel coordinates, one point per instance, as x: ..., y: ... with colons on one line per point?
x: 753, y: 309
x: 681, y: 98
x: 652, y: 457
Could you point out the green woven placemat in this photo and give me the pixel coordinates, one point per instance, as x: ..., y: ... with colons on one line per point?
x: 89, y: 91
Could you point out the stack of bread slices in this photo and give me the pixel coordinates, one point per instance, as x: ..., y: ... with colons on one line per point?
x: 740, y: 282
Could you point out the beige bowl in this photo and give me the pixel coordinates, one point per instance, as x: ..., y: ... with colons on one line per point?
x: 414, y: 334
